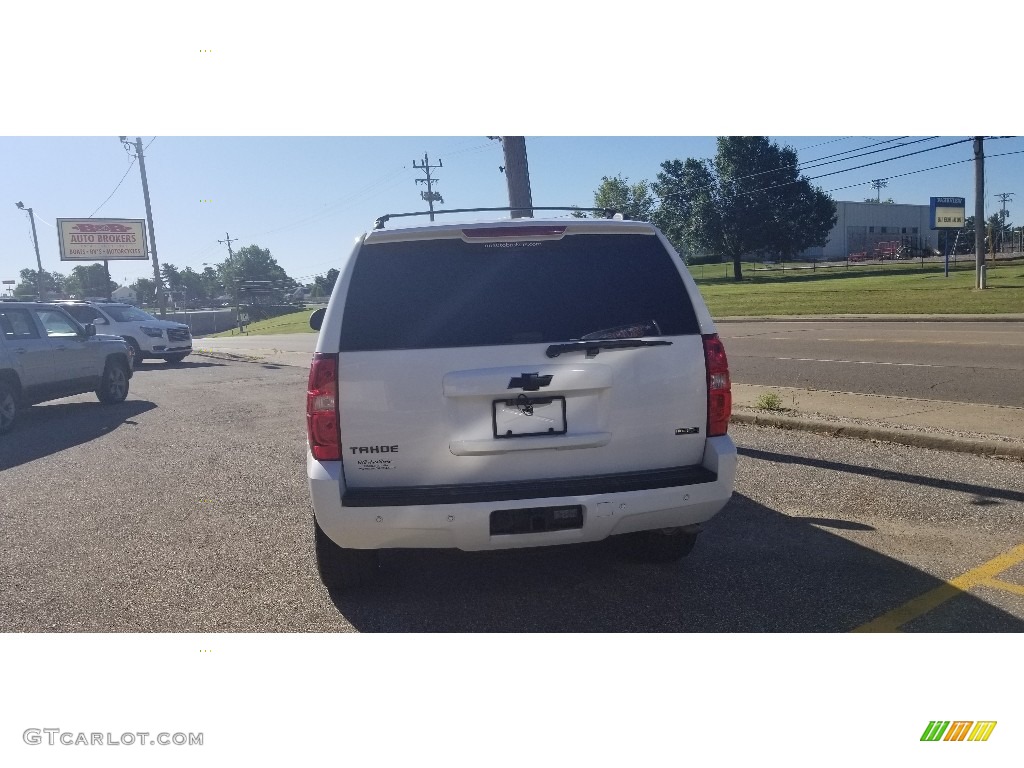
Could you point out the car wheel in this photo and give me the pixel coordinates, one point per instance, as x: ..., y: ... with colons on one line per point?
x: 114, y: 385
x: 342, y: 568
x: 8, y: 407
x: 665, y: 545
x: 136, y: 353
x: 174, y: 358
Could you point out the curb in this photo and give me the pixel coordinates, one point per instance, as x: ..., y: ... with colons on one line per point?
x: 993, y: 448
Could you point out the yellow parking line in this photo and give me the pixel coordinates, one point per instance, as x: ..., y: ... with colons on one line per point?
x: 1005, y: 586
x: 920, y: 605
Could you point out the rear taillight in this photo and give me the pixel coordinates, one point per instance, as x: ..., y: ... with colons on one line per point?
x: 719, y: 387
x: 322, y: 408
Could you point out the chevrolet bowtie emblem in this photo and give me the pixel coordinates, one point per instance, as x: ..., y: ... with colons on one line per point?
x: 529, y: 382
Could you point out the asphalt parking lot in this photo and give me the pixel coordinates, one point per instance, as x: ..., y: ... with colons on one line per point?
x: 184, y: 509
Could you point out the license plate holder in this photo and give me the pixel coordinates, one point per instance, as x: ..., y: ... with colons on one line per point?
x: 525, y: 416
x: 505, y: 522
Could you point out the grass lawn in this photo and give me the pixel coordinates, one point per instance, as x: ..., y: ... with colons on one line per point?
x: 892, y: 289
x: 896, y: 289
x: 296, y: 322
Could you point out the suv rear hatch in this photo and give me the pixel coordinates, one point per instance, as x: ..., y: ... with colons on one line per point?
x: 523, y: 352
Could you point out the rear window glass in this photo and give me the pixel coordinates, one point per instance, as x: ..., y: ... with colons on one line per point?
x: 449, y: 293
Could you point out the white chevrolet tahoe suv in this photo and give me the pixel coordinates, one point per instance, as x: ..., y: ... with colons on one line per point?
x: 148, y: 336
x: 517, y: 383
x: 45, y: 355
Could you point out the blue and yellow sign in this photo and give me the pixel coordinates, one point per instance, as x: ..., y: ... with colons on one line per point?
x: 947, y: 212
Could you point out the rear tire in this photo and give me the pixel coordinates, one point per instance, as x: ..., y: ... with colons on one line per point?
x: 8, y: 407
x: 172, y: 359
x: 114, y: 385
x: 342, y: 568
x: 666, y: 545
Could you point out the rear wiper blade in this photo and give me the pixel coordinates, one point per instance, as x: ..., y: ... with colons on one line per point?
x: 594, y: 347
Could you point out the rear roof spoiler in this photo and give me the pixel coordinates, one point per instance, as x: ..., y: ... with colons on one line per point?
x: 607, y: 213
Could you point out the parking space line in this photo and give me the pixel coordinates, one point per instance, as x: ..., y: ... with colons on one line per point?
x: 1005, y: 586
x: 983, y: 575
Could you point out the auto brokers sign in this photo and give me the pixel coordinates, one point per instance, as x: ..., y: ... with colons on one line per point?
x: 102, y: 239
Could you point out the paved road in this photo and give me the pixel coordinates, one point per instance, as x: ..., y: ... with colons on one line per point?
x: 185, y: 509
x: 980, y: 362
x: 963, y: 362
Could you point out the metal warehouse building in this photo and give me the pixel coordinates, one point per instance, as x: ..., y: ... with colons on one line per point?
x: 875, y: 229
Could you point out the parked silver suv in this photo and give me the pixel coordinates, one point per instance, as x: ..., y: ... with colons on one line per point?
x: 515, y: 383
x: 45, y: 354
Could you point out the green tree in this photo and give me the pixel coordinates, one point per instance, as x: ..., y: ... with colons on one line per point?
x: 887, y: 201
x: 145, y: 291
x: 53, y: 282
x: 326, y: 282
x: 212, y: 286
x: 191, y: 285
x: 256, y: 264
x: 999, y: 229
x: 89, y: 280
x: 171, y: 276
x: 633, y: 201
x: 749, y: 199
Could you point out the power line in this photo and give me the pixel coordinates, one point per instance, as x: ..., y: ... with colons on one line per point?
x: 823, y: 143
x: 923, y: 170
x: 821, y: 161
x: 858, y: 167
x: 130, y: 166
x: 816, y: 163
x: 906, y: 173
x: 888, y: 160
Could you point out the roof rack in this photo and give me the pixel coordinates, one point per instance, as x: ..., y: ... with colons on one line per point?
x: 379, y: 222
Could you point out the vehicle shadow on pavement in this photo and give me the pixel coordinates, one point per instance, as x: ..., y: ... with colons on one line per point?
x: 754, y: 569
x: 158, y: 365
x: 43, y: 430
x: 985, y: 495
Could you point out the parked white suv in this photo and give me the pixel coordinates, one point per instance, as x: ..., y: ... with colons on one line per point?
x: 148, y: 336
x: 515, y: 383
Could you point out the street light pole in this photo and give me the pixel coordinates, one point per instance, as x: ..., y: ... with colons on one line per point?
x: 35, y: 242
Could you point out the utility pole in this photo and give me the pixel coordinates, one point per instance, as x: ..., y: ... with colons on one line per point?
x: 161, y: 299
x: 229, y: 240
x: 979, y: 210
x: 877, y: 185
x: 35, y: 242
x: 430, y: 195
x: 517, y: 176
x: 1003, y: 198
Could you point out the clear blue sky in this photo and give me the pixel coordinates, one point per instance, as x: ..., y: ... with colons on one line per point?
x: 307, y: 198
